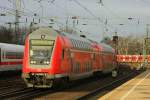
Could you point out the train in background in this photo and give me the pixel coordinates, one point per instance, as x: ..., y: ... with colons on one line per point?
x: 52, y: 56
x: 11, y: 56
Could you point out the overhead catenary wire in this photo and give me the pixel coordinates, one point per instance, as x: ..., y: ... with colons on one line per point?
x: 145, y: 2
x: 92, y: 14
x: 87, y: 10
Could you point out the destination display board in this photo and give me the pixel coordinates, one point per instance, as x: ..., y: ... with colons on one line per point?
x: 42, y: 42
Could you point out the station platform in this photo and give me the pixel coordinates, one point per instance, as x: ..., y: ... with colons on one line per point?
x: 137, y: 88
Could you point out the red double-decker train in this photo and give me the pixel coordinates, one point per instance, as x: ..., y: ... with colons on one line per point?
x: 51, y: 56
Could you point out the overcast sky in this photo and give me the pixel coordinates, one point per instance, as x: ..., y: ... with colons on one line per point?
x: 100, y: 18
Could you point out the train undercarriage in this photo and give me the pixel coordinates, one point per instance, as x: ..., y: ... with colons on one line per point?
x: 43, y: 80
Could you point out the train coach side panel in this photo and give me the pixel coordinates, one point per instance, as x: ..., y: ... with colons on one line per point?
x: 25, y: 56
x: 56, y: 57
x: 65, y: 55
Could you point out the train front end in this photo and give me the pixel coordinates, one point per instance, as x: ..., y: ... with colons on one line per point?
x: 38, y: 66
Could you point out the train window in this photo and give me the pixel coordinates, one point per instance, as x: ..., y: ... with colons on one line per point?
x: 88, y: 46
x: 77, y: 43
x: 3, y: 54
x: 85, y: 45
x: 13, y: 55
x: 63, y: 53
x: 74, y: 41
x: 82, y: 44
x: 76, y: 67
x: 87, y: 66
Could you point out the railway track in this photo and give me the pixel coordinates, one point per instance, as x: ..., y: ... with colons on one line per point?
x: 84, y: 90
x: 106, y: 87
x: 25, y: 93
x: 76, y: 91
x: 15, y: 93
x: 11, y: 83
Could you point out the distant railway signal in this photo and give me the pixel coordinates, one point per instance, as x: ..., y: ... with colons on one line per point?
x: 84, y: 24
x: 130, y: 18
x: 74, y: 17
x: 2, y: 14
x: 121, y: 24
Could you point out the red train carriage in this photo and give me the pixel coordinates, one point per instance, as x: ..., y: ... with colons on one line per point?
x: 52, y: 55
x: 11, y: 56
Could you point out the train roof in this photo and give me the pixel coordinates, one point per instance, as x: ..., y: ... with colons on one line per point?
x: 11, y: 47
x: 74, y: 36
x: 46, y: 30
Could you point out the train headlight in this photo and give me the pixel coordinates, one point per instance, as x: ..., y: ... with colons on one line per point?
x: 33, y: 62
x: 47, y: 62
x: 44, y: 62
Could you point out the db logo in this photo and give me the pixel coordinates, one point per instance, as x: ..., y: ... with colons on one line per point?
x: 42, y: 36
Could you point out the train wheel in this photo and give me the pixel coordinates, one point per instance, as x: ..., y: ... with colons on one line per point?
x: 114, y: 73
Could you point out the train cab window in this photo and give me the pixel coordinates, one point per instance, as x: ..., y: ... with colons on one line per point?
x: 63, y: 53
